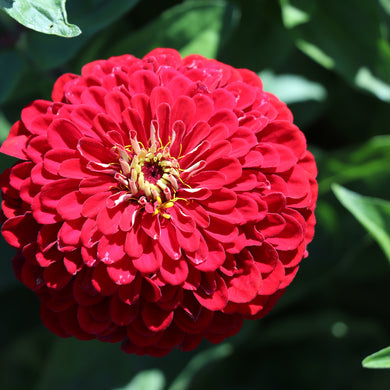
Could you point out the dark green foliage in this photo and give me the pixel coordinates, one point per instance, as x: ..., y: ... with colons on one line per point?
x: 330, y: 60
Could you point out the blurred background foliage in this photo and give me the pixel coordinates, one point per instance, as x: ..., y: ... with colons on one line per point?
x: 330, y: 61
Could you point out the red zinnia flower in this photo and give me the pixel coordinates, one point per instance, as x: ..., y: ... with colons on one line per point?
x: 159, y: 201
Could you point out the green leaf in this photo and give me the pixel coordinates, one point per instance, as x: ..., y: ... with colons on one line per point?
x: 370, y: 160
x: 200, y: 361
x: 293, y: 16
x: 292, y: 88
x: 11, y: 65
x: 47, y: 16
x: 192, y: 27
x: 330, y: 32
x: 49, y: 52
x: 5, y: 127
x: 147, y: 380
x: 380, y: 359
x: 372, y: 213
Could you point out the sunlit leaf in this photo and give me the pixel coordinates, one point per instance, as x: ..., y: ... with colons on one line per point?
x: 293, y: 16
x: 292, y: 88
x: 380, y: 359
x: 5, y: 127
x: 372, y: 213
x: 48, y: 51
x: 47, y: 16
x: 146, y: 380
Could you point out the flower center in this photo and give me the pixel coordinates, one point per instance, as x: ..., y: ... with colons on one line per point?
x: 150, y: 175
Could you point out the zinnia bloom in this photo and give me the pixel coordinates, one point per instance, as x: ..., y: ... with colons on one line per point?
x: 159, y: 201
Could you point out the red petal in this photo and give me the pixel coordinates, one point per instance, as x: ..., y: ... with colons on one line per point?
x: 94, y: 204
x: 115, y: 103
x: 174, y: 271
x: 245, y: 94
x: 168, y: 241
x: 122, y: 272
x: 215, y: 300
x: 69, y: 206
x: 143, y: 81
x: 244, y: 285
x: 55, y: 157
x: 69, y: 233
x: 149, y: 261
x: 111, y: 249
x: 62, y: 133
x: 16, y: 142
x: 287, y: 134
x: 272, y: 282
x: 93, y: 150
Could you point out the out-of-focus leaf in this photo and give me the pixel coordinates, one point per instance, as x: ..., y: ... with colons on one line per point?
x: 11, y: 65
x: 74, y: 364
x: 47, y: 16
x: 332, y: 34
x: 293, y: 16
x: 147, y: 380
x: 93, y: 15
x: 292, y: 88
x: 5, y: 127
x: 201, y: 360
x: 192, y: 27
x: 372, y: 213
x: 380, y: 359
x: 370, y: 160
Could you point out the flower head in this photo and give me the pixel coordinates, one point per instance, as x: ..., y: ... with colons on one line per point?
x: 158, y: 201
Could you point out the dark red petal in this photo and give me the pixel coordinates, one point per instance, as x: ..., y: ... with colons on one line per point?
x: 102, y: 282
x: 20, y: 231
x: 130, y: 293
x: 155, y: 318
x: 56, y: 276
x: 121, y: 313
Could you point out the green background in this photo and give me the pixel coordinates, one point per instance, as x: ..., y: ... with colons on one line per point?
x: 330, y: 61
